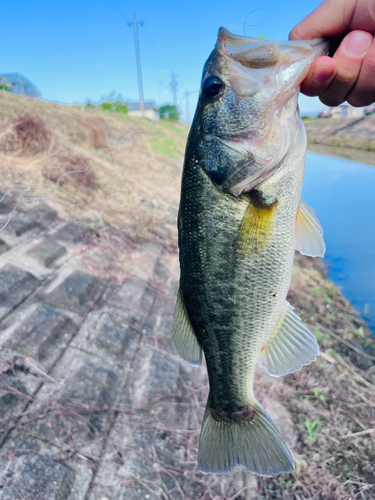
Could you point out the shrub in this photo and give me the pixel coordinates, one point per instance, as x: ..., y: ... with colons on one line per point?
x: 4, y: 84
x: 90, y: 104
x: 169, y: 112
x: 114, y: 103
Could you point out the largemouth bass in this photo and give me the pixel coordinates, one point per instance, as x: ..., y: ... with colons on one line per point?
x: 240, y: 220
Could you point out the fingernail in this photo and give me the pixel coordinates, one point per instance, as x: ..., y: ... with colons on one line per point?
x: 357, y: 43
x: 322, y: 74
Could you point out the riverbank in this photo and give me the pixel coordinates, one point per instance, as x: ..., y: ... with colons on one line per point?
x: 358, y: 133
x: 91, y: 390
x: 358, y: 155
x: 332, y: 400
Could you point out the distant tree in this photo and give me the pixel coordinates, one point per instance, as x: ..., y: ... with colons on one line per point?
x: 3, y: 84
x: 169, y: 112
x: 114, y: 103
x: 111, y: 102
x: 90, y: 104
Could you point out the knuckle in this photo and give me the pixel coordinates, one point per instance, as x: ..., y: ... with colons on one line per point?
x: 330, y: 100
x: 357, y: 100
x: 310, y: 90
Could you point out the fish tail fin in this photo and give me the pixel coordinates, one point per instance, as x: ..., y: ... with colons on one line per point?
x: 247, y: 438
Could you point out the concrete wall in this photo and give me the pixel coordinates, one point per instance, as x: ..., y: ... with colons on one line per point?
x: 147, y: 113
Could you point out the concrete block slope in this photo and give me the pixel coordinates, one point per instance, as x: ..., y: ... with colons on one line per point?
x: 95, y: 404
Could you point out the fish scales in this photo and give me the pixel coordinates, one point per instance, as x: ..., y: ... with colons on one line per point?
x: 238, y: 228
x: 241, y: 296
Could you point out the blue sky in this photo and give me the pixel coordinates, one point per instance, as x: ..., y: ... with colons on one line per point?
x: 77, y: 50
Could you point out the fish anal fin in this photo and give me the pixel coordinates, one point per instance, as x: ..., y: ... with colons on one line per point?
x: 291, y: 347
x: 185, y: 342
x: 247, y: 438
x: 309, y: 232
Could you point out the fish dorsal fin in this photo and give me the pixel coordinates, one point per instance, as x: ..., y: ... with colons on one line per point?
x: 309, y: 232
x: 291, y: 346
x: 185, y: 342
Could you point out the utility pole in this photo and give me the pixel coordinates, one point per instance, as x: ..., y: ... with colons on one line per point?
x: 134, y: 23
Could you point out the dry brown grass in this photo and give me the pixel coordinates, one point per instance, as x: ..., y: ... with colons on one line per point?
x: 97, y: 134
x: 61, y: 164
x: 25, y: 135
x: 131, y: 186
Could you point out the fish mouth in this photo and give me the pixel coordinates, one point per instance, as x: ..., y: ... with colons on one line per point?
x: 258, y: 52
x: 265, y: 63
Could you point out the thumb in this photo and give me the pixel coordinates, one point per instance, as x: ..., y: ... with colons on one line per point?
x: 330, y: 18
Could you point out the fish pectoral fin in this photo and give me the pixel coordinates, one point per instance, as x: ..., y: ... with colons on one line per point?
x: 257, y: 223
x: 309, y: 232
x: 252, y: 441
x: 185, y: 342
x: 291, y: 347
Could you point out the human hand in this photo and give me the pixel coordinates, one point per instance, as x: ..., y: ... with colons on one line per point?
x: 350, y: 74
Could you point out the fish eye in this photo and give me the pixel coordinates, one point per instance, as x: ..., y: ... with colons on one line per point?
x: 213, y: 87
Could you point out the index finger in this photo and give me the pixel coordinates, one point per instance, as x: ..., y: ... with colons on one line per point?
x: 330, y: 18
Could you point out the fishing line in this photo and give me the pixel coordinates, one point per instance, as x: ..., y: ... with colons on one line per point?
x: 253, y: 25
x: 44, y: 198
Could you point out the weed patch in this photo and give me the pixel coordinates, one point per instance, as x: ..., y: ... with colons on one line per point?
x: 67, y: 162
x: 26, y: 135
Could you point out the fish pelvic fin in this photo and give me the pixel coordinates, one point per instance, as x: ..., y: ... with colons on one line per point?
x: 257, y: 224
x: 185, y: 342
x: 247, y: 438
x: 309, y: 232
x: 291, y: 346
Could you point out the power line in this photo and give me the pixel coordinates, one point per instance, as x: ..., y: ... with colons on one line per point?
x: 155, y: 50
x: 134, y: 24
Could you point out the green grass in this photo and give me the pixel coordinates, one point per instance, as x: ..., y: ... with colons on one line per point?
x: 318, y: 393
x: 165, y: 146
x: 313, y: 429
x: 175, y: 129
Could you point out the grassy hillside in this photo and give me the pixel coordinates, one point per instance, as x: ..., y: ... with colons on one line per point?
x: 130, y: 186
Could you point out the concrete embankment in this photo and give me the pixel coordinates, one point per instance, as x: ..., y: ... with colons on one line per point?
x: 358, y: 133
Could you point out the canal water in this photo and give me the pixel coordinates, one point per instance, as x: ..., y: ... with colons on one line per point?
x: 342, y: 192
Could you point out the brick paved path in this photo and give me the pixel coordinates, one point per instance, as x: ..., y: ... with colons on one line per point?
x: 94, y: 403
